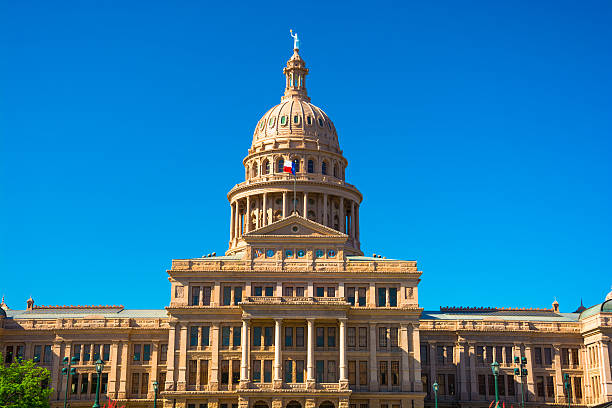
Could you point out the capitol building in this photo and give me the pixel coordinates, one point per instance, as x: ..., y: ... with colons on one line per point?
x: 294, y: 315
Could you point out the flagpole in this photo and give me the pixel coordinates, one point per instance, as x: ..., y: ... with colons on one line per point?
x: 294, y: 180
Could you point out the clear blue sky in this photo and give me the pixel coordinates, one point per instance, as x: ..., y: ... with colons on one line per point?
x: 478, y: 132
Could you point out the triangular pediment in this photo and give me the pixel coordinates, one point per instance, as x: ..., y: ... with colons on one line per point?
x: 295, y: 226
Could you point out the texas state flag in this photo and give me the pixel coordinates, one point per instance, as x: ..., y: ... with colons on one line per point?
x: 289, y: 167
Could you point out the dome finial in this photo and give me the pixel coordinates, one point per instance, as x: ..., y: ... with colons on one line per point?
x: 296, y: 40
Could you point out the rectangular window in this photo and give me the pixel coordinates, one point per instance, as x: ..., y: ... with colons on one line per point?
x: 331, y: 337
x: 395, y: 373
x: 225, y: 372
x: 393, y: 333
x: 548, y: 356
x: 144, y: 385
x: 193, y: 336
x: 203, y: 372
x: 47, y: 354
x: 449, y: 354
x: 351, y: 334
x: 538, y: 356
x: 269, y: 291
x: 363, y: 337
x: 489, y: 354
x: 267, y: 371
x: 299, y: 291
x: 105, y: 352
x: 268, y: 336
x: 501, y: 385
x: 511, y: 388
x: 577, y: 385
x: 258, y: 291
x: 299, y: 337
x: 163, y: 352
x: 135, y: 383
x: 451, y: 384
x: 480, y: 355
x: 146, y: 352
x: 440, y: 355
x: 508, y: 350
x: 575, y: 359
x: 235, y: 371
x: 236, y: 336
x: 382, y: 337
x: 382, y: 297
x: 288, y: 291
x: 86, y: 352
x: 482, y: 387
x: 37, y: 353
x: 225, y: 336
x: 320, y: 370
x: 192, y: 372
x: 96, y: 352
x: 227, y: 295
x: 205, y: 340
x: 424, y: 354
x: 195, y: 295
x: 550, y: 387
x: 540, y: 386
x: 299, y: 371
x: 206, y: 292
x: 137, y: 349
x: 352, y: 372
x: 237, y: 294
x: 84, y: 383
x: 257, y: 336
x: 350, y: 296
x: 288, y: 371
x: 382, y: 373
x: 288, y: 336
x: 104, y: 383
x: 565, y: 356
x: 393, y: 297
x: 361, y: 296
x: 320, y: 337
x: 491, y: 384
x: 256, y: 371
x: 363, y: 373
x: 331, y: 291
x: 320, y: 291
x: 331, y: 371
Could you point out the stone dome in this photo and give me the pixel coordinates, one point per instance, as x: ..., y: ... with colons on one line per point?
x: 296, y: 118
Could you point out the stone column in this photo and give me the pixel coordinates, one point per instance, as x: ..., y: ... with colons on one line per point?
x: 171, y: 357
x: 343, y: 362
x: 310, y: 379
x: 606, y: 377
x: 530, y: 391
x: 247, y: 215
x: 325, y: 218
x: 559, y: 391
x: 417, y: 385
x: 473, y: 375
x: 154, y: 367
x: 433, y: 363
x: 181, y: 384
x: 232, y: 216
x: 236, y: 220
x: 214, y: 360
x: 372, y: 300
x: 463, y: 375
x: 265, y: 209
x: 341, y: 215
x: 372, y: 363
x: 56, y: 378
x: 284, y: 204
x: 278, y: 379
x: 357, y: 223
x: 125, y: 352
x: 353, y: 221
x: 244, y: 345
x: 305, y: 214
x: 405, y: 347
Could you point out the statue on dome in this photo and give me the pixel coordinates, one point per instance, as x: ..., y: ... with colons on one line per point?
x: 296, y: 40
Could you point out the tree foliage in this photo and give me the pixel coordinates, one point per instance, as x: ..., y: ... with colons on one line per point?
x: 23, y: 384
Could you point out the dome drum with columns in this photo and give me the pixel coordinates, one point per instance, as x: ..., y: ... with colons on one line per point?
x: 301, y: 132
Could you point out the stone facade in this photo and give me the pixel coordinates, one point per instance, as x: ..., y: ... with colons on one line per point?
x: 293, y: 315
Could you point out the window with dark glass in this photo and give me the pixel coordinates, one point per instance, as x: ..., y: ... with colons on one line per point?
x: 548, y: 356
x: 440, y: 354
x: 236, y: 336
x: 235, y: 371
x: 192, y: 372
x: 288, y: 291
x: 224, y: 371
x: 393, y: 297
x: 203, y: 372
x: 256, y: 371
x: 299, y: 291
x: 351, y: 337
x: 540, y: 386
x: 361, y: 294
x: 331, y: 337
x: 363, y: 337
x: 320, y: 370
x: 393, y: 336
x: 508, y: 350
x: 257, y: 336
x: 331, y: 371
x: 84, y: 383
x: 299, y: 337
x: 237, y: 294
x: 296, y: 164
x: 382, y: 297
x: 96, y: 352
x: 288, y: 336
x: 451, y: 384
x: 310, y: 166
x: 267, y: 371
x: 258, y: 291
x: 363, y: 373
x: 135, y: 383
x: 86, y: 352
x: 331, y: 291
x: 193, y: 336
x: 279, y: 166
x: 269, y: 290
x: 299, y: 371
x: 482, y: 386
x: 382, y: 373
x: 105, y: 352
x: 163, y: 352
x: 104, y: 383
x: 320, y: 337
x: 350, y: 296
x: 206, y: 295
x: 320, y: 291
x: 324, y: 168
x: 227, y: 296
x: 146, y: 352
x: 225, y: 336
x: 137, y: 349
x: 537, y: 356
x: 382, y: 337
x: 288, y: 371
x: 205, y: 340
x: 395, y: 373
x: 352, y: 372
x: 424, y: 354
x: 268, y: 336
x: 550, y: 387
x: 195, y: 295
x: 511, y: 388
x: 37, y: 353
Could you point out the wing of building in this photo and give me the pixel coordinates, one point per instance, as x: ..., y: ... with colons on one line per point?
x: 293, y: 315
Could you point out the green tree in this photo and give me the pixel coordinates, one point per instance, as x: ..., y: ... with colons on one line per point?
x: 23, y: 384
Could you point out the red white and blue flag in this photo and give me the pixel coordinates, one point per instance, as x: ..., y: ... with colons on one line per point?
x: 289, y: 167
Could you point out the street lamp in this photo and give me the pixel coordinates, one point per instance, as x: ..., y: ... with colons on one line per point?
x: 435, y: 388
x: 99, y: 367
x: 495, y: 369
x: 155, y: 397
x: 68, y: 370
x: 522, y: 373
x: 567, y: 384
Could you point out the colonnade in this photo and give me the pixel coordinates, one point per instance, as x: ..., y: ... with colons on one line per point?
x: 267, y: 208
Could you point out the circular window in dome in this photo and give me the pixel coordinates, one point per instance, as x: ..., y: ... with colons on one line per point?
x: 319, y: 253
x: 301, y: 253
x: 295, y: 228
x: 283, y: 120
x: 288, y: 253
x: 331, y: 253
x: 321, y: 122
x: 270, y: 253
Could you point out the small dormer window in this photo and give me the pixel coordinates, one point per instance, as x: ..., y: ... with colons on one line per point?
x: 324, y: 168
x: 283, y: 120
x: 262, y: 124
x: 320, y: 122
x: 329, y: 125
x: 296, y: 119
x: 309, y: 120
x: 271, y: 122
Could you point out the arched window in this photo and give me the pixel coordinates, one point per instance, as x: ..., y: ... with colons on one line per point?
x: 254, y: 171
x: 296, y: 162
x: 266, y: 167
x: 336, y: 170
x: 279, y: 165
x: 311, y: 166
x: 324, y: 168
